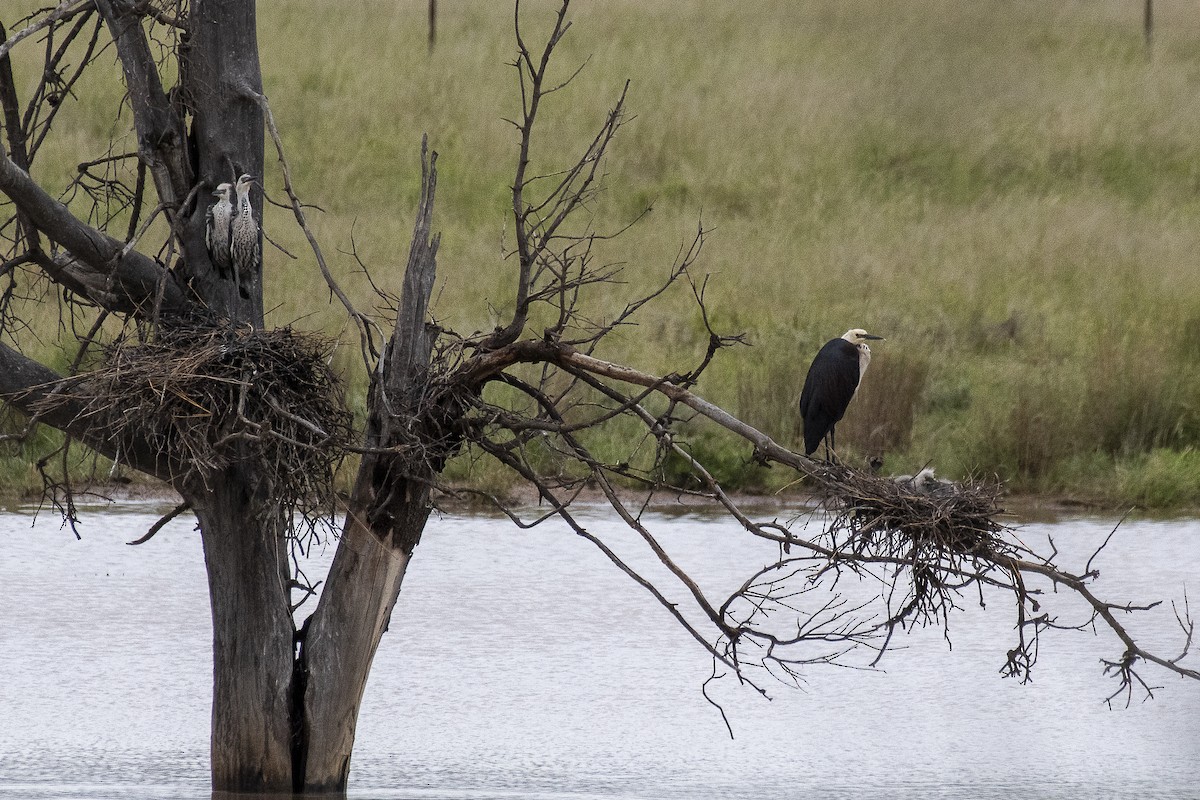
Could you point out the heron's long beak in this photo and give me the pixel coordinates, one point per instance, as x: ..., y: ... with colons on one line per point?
x: 872, y: 336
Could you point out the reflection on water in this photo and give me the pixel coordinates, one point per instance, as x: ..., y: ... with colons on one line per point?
x: 521, y: 664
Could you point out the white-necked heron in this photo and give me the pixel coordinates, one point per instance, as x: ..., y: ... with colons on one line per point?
x: 832, y: 380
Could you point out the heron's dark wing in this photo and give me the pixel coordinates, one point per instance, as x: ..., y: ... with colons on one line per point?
x: 828, y: 389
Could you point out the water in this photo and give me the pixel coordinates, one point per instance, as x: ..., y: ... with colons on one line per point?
x: 522, y: 664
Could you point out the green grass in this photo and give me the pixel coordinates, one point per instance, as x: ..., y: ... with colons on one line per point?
x: 1008, y: 191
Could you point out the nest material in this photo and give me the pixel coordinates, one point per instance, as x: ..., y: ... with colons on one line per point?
x: 205, y: 400
x: 937, y: 519
x: 942, y: 536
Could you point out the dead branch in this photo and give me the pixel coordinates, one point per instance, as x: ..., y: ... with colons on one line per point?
x: 63, y: 11
x: 161, y: 136
x: 921, y: 550
x: 135, y: 278
x: 369, y: 332
x: 162, y: 523
x: 538, y: 224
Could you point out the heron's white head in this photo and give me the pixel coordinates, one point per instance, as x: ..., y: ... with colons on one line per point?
x: 859, y: 337
x: 222, y: 190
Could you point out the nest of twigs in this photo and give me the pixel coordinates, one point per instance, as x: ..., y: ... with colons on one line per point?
x: 936, y: 518
x: 207, y: 399
x: 944, y: 536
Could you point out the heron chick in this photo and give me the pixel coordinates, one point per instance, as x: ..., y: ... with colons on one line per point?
x: 218, y: 220
x: 925, y: 482
x: 832, y: 381
x: 245, y: 248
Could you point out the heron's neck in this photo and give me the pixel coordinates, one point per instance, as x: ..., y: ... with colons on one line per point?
x: 864, y: 360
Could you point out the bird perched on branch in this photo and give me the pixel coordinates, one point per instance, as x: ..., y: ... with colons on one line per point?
x: 245, y: 249
x: 832, y: 381
x: 216, y: 229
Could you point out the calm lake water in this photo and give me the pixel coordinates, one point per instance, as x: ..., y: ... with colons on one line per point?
x: 520, y: 663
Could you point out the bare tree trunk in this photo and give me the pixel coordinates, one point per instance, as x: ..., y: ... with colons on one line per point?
x: 252, y: 639
x: 222, y: 78
x: 339, y: 646
x: 244, y: 545
x: 387, y: 513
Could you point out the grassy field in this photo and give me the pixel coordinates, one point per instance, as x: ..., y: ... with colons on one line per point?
x: 1008, y: 191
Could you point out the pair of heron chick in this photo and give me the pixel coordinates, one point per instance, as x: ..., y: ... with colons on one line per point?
x: 830, y: 385
x: 232, y: 234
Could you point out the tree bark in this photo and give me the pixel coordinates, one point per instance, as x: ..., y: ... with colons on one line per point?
x: 361, y: 590
x: 252, y: 637
x: 386, y: 515
x: 221, y: 77
x: 245, y: 548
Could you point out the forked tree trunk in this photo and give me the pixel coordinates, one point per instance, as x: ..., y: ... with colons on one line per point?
x: 283, y: 718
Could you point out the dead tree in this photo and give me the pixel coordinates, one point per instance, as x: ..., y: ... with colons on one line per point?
x: 176, y: 377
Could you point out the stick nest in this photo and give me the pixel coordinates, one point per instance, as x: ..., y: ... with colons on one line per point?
x: 205, y: 400
x: 908, y: 519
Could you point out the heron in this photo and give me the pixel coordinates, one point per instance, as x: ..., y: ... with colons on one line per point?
x: 216, y: 229
x: 244, y: 247
x: 925, y: 482
x: 832, y: 381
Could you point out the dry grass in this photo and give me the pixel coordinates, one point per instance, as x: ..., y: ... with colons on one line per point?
x: 927, y: 169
